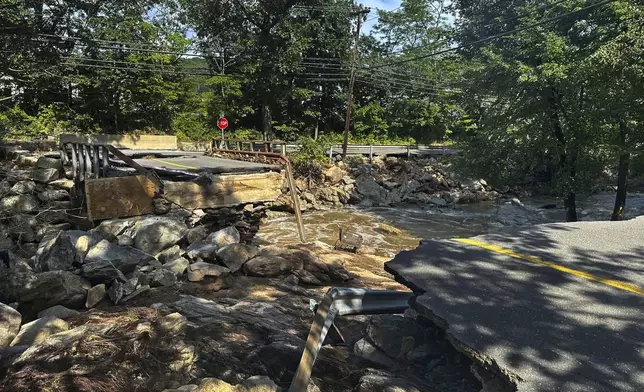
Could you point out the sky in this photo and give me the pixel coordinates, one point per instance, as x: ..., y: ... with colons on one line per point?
x: 380, y: 4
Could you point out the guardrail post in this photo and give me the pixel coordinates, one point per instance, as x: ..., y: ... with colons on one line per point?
x: 239, y: 146
x: 331, y: 152
x: 283, y: 149
x: 408, y: 151
x: 370, y: 153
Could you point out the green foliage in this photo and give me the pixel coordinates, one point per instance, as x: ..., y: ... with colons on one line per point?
x: 312, y: 152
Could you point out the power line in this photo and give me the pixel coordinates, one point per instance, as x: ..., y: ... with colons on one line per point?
x: 496, y: 36
x: 378, y: 16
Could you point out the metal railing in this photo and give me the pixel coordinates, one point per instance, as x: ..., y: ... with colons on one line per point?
x: 289, y: 178
x: 342, y: 302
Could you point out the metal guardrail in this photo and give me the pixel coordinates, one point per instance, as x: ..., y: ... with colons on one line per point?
x: 284, y: 148
x: 342, y: 302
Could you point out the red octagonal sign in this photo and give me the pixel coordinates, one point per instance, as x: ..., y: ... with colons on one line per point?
x: 222, y: 123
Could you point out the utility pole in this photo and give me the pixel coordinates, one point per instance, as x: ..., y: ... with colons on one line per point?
x: 352, y: 79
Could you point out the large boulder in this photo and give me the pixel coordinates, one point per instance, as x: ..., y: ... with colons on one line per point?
x: 367, y: 186
x: 14, y: 278
x: 114, y: 227
x: 162, y: 277
x: 396, y: 335
x: 235, y: 255
x: 19, y: 203
x: 45, y: 175
x: 178, y: 266
x: 49, y: 163
x: 39, y: 330
x: 58, y: 254
x: 154, y: 234
x: 47, y: 289
x: 207, y: 248
x: 105, y: 258
x: 10, y: 320
x: 196, y: 234
x: 59, y: 311
x: 334, y: 174
x: 268, y: 266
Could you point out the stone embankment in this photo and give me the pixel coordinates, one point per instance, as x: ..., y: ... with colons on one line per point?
x: 429, y: 183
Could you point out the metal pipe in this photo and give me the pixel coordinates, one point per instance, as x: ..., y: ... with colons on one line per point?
x: 74, y: 161
x: 81, y: 163
x: 97, y: 168
x: 88, y: 161
x: 106, y: 160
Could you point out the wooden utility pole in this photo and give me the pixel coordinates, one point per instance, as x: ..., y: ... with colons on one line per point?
x: 352, y: 79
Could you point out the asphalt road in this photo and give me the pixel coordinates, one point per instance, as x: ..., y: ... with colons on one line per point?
x: 558, y: 306
x: 193, y: 162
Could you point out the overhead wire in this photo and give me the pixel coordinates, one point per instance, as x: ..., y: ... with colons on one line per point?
x: 496, y: 36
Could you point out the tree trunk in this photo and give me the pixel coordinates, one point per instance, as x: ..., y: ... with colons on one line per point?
x: 622, y: 176
x: 566, y: 165
x: 267, y: 129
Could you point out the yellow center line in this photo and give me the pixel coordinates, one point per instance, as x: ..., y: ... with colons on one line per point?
x: 497, y: 249
x: 174, y: 164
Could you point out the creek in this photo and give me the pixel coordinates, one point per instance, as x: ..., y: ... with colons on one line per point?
x: 417, y: 223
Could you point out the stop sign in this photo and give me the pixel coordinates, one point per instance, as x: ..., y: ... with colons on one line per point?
x: 222, y: 123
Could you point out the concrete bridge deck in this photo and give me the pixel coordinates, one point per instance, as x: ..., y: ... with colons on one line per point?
x: 557, y: 307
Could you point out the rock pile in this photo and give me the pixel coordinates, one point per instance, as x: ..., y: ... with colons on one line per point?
x: 385, y: 182
x: 34, y: 203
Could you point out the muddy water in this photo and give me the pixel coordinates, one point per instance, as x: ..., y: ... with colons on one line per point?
x: 416, y: 223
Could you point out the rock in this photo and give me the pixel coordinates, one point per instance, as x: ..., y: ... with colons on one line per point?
x: 224, y: 237
x: 516, y: 202
x: 178, y: 266
x: 10, y: 320
x: 103, y: 258
x: 309, y: 197
x: 23, y: 187
x: 162, y: 277
x: 24, y: 228
x: 63, y: 184
x: 45, y: 175
x: 161, y: 206
x: 59, y: 311
x: 196, y: 234
x: 334, y: 174
x: 47, y: 289
x: 202, y: 250
x: 174, y: 324
x: 380, y: 381
x: 114, y: 227
x: 49, y: 163
x: 83, y: 241
x: 185, y: 388
x: 154, y: 234
x: 387, y: 229
x: 198, y: 271
x: 215, y: 385
x: 116, y: 292
x: 369, y: 188
x: 19, y: 203
x: 58, y: 254
x: 124, y: 240
x: 307, y: 277
x: 292, y: 280
x: 95, y: 295
x: 369, y: 352
x: 268, y: 266
x: 170, y: 254
x: 259, y: 384
x: 58, y: 342
x: 136, y: 292
x: 53, y: 195
x: 395, y: 335
x: 53, y: 216
x: 38, y: 330
x: 235, y: 255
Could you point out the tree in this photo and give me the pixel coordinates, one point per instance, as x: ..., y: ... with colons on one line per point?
x: 538, y: 86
